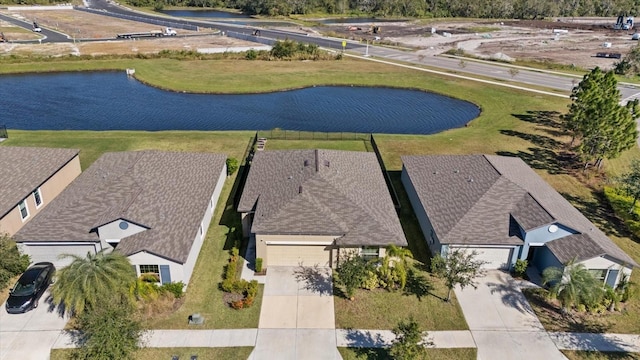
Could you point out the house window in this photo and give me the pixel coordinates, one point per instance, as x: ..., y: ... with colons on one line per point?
x: 37, y: 197
x: 24, y: 211
x: 599, y: 274
x: 370, y: 252
x: 150, y: 270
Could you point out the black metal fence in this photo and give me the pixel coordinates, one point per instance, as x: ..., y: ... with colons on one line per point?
x: 278, y: 134
x: 147, y: 20
x: 3, y: 132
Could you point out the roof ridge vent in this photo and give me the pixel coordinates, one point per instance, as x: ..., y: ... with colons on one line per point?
x: 470, y: 179
x: 306, y: 163
x: 300, y: 189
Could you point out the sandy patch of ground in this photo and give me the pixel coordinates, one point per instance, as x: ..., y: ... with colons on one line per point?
x: 81, y: 26
x: 521, y: 40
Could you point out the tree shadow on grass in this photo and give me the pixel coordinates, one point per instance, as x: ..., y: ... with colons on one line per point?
x: 418, y: 285
x: 598, y: 211
x: 550, y: 119
x: 541, y: 159
x: 371, y: 353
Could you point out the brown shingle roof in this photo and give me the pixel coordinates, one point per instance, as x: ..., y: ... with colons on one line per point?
x: 321, y: 192
x: 24, y: 169
x: 470, y: 198
x: 167, y: 192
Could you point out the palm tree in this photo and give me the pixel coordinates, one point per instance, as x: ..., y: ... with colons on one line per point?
x: 90, y: 280
x: 572, y: 286
x: 395, y: 265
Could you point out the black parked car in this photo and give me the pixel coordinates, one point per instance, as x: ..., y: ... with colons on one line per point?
x: 26, y: 293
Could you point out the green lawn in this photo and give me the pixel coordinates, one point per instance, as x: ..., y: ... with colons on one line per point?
x: 383, y: 354
x: 228, y: 353
x: 597, y: 355
x: 380, y: 309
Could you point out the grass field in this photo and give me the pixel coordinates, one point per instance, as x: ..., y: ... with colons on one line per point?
x: 511, y: 123
x: 597, y: 355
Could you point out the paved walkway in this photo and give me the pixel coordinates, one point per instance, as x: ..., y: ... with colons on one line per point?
x: 297, y: 318
x: 502, y: 322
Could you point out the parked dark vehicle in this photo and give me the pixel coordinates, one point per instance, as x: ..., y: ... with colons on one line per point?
x: 26, y: 293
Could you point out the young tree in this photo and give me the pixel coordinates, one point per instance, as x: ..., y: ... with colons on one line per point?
x: 604, y: 127
x: 631, y: 183
x: 572, y: 286
x: 93, y: 279
x: 109, y: 331
x: 351, y: 273
x: 459, y: 267
x: 408, y: 344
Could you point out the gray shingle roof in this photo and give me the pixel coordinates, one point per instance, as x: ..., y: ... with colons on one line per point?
x: 24, y: 169
x: 341, y: 193
x: 471, y: 198
x: 167, y: 192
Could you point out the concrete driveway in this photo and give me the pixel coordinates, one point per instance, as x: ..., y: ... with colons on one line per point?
x: 502, y: 322
x: 297, y: 318
x: 29, y: 336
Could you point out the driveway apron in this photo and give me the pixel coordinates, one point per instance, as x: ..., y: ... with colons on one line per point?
x: 297, y: 318
x: 30, y: 335
x: 502, y: 322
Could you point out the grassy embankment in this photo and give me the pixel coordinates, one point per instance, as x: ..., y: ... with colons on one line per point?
x: 512, y: 123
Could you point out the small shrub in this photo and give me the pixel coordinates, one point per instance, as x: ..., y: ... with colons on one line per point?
x: 235, y: 254
x: 251, y: 55
x: 258, y: 264
x: 520, y: 268
x: 227, y: 285
x: 230, y: 271
x: 239, y: 304
x: 232, y: 163
x: 248, y: 301
x: 174, y: 288
x: 144, y: 290
x: 371, y: 281
x: 252, y: 288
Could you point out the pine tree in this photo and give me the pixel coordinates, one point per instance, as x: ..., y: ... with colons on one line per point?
x: 604, y: 127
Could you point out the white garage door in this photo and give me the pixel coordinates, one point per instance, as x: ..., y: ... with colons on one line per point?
x: 294, y: 255
x: 52, y: 252
x: 495, y: 258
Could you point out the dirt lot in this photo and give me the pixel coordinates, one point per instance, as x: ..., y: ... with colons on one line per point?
x: 521, y: 40
x: 80, y: 26
x: 577, y: 43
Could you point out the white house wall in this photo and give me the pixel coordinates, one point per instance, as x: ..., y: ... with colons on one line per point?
x: 428, y: 233
x: 603, y: 262
x: 188, y: 266
x: 145, y: 258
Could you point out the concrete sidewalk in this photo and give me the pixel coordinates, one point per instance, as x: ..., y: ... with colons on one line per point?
x: 597, y: 342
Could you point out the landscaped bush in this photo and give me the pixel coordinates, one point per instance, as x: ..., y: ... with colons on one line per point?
x: 12, y: 262
x: 150, y: 278
x: 520, y: 268
x: 258, y: 265
x: 242, y: 292
x: 174, y: 288
x: 232, y: 166
x: 621, y: 203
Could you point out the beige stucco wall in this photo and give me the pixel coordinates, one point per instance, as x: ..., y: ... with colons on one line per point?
x: 52, y: 187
